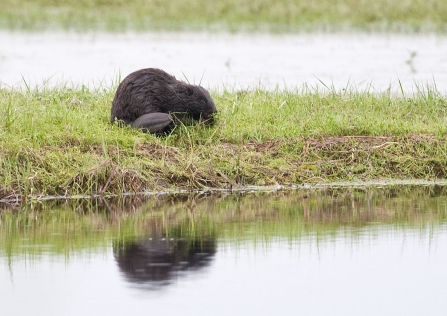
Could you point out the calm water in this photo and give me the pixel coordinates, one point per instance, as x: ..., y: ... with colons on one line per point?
x: 232, y: 60
x: 377, y: 251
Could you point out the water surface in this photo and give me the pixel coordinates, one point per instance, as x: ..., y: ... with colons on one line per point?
x: 315, y: 252
x: 235, y: 61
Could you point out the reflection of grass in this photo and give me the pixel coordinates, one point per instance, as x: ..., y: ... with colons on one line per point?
x: 60, y: 141
x: 228, y: 14
x: 56, y: 231
x: 87, y: 225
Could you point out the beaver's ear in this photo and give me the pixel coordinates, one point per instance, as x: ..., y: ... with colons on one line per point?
x: 189, y: 91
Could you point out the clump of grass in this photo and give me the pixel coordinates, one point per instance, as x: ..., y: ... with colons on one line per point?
x: 59, y: 141
x: 284, y: 15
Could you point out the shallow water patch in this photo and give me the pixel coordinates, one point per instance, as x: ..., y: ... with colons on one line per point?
x: 371, y: 62
x: 351, y: 248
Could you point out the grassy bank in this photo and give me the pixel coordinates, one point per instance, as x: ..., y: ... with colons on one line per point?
x: 59, y: 141
x: 284, y: 15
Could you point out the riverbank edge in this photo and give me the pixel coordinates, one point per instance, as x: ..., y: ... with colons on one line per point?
x: 348, y: 161
x: 356, y: 185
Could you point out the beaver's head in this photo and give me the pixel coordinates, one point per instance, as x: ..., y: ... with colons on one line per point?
x: 195, y: 105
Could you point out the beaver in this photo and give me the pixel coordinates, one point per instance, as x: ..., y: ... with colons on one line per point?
x: 154, y: 101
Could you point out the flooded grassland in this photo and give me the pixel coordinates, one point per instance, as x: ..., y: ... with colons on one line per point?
x: 296, y: 110
x: 353, y: 60
x: 251, y: 15
x: 327, y: 114
x: 293, y: 108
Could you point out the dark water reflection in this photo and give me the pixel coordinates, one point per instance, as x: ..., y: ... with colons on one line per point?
x: 154, y: 261
x: 344, y: 251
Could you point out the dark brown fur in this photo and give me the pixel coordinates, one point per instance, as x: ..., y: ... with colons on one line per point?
x: 153, y: 90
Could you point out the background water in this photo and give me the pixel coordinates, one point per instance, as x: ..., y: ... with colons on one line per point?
x: 313, y: 252
x: 235, y: 61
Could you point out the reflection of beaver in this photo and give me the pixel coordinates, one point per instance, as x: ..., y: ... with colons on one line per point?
x: 156, y: 261
x: 152, y: 100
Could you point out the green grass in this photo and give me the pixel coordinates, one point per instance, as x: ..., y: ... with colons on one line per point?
x: 283, y: 15
x: 58, y: 141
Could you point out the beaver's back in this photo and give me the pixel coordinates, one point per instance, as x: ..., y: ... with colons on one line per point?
x: 141, y: 92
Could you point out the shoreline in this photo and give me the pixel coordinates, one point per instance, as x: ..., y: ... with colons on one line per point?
x: 382, y: 183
